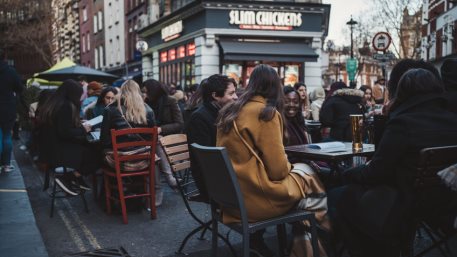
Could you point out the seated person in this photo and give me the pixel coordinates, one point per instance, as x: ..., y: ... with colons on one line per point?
x: 418, y: 119
x: 251, y: 129
x: 129, y: 112
x: 106, y: 98
x: 296, y: 131
x: 217, y: 91
x: 64, y: 143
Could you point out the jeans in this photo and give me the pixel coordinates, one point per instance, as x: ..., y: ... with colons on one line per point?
x: 6, y: 144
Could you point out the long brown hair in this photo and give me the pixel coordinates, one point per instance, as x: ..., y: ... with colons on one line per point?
x: 70, y: 91
x: 265, y: 82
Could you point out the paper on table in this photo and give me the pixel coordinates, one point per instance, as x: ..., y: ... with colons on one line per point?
x: 328, y: 146
x: 94, y: 121
x: 95, y: 135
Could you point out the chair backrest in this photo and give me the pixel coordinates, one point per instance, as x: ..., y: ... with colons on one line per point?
x: 220, y: 178
x: 138, y: 138
x: 177, y: 151
x: 432, y: 160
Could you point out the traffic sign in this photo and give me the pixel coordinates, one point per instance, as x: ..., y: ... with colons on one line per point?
x: 351, y: 67
x: 381, y: 41
x: 384, y: 57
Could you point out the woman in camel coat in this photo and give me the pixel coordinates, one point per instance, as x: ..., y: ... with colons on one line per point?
x: 251, y: 129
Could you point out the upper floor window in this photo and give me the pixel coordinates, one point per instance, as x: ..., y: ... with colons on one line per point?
x: 100, y: 20
x: 84, y: 14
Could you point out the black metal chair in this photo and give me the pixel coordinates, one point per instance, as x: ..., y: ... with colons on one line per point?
x: 50, y: 176
x: 177, y: 152
x: 427, y: 183
x: 224, y: 191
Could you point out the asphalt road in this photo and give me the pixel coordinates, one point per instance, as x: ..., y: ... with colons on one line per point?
x: 72, y: 230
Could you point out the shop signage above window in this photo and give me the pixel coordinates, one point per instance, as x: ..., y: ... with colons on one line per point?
x: 265, y: 20
x: 177, y: 53
x: 172, y: 31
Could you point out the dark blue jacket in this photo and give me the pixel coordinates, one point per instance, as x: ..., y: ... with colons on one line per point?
x: 10, y: 87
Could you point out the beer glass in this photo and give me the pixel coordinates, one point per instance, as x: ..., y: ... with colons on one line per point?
x: 357, y: 133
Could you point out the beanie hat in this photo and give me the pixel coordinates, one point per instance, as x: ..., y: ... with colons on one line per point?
x: 97, y: 87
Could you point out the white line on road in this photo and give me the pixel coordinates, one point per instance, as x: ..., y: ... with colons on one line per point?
x: 13, y: 191
x: 73, y: 233
x: 92, y: 240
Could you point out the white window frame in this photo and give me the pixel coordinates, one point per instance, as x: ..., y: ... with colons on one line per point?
x: 84, y: 43
x: 101, y: 55
x: 100, y: 20
x: 96, y: 58
x: 84, y: 14
x: 95, y: 24
x: 88, y: 41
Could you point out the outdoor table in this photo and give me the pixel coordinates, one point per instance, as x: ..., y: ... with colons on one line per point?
x: 318, y: 155
x: 333, y: 158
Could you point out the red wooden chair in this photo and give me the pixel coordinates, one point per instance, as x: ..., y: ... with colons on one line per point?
x: 119, y: 174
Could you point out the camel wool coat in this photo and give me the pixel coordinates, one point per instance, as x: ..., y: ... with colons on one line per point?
x: 269, y: 190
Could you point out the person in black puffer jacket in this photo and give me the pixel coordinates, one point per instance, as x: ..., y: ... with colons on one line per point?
x: 336, y: 109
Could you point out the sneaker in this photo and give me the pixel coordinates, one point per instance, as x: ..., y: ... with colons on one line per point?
x: 79, y: 182
x: 258, y: 248
x: 8, y: 168
x: 66, y: 186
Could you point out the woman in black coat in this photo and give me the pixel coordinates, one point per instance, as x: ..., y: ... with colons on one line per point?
x: 168, y: 118
x: 336, y: 109
x: 373, y: 211
x: 65, y: 136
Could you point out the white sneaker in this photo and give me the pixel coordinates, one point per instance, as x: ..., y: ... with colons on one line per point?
x: 8, y: 168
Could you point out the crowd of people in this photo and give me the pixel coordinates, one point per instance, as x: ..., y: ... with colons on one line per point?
x: 254, y: 126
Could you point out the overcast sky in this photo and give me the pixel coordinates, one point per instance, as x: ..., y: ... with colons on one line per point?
x: 340, y: 13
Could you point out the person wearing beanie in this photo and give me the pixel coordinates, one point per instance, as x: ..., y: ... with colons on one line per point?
x: 449, y: 77
x: 93, y: 91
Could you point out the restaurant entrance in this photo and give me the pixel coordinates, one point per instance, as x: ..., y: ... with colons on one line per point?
x: 240, y: 71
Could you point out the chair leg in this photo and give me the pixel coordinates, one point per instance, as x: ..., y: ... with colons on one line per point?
x: 53, y: 198
x: 183, y: 243
x: 107, y: 194
x: 246, y: 244
x: 202, y: 235
x: 214, y: 237
x: 282, y: 239
x: 46, y: 179
x: 84, y: 200
x: 122, y: 200
x: 152, y: 194
x: 314, y: 239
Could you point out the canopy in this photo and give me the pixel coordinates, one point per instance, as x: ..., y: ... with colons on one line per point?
x: 268, y: 51
x: 74, y: 72
x: 65, y: 63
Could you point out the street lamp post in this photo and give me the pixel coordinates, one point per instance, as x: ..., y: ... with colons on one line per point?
x: 351, y: 23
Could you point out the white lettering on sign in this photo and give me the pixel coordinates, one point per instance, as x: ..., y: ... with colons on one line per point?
x: 172, y: 30
x: 278, y: 19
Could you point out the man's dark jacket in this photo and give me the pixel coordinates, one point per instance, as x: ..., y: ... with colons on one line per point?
x: 201, y: 129
x: 10, y: 87
x: 335, y: 112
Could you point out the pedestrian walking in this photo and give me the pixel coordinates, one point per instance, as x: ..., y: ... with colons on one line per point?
x: 10, y: 89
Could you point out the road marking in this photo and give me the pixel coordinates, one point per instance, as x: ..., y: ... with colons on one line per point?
x: 13, y: 191
x: 73, y: 233
x: 90, y: 237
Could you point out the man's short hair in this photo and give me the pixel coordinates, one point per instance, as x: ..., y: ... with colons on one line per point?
x: 215, y: 84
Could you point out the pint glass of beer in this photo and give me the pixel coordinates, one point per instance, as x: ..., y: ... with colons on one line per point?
x: 357, y: 133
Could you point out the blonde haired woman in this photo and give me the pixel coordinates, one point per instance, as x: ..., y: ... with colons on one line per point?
x: 129, y: 111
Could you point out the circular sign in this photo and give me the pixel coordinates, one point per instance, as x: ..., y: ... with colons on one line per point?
x: 381, y: 41
x: 141, y: 46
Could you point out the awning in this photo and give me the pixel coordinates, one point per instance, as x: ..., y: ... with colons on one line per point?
x: 267, y: 51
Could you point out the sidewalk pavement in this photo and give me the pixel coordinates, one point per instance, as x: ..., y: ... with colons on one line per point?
x: 19, y: 233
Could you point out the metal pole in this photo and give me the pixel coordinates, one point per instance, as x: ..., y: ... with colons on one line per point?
x: 352, y: 47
